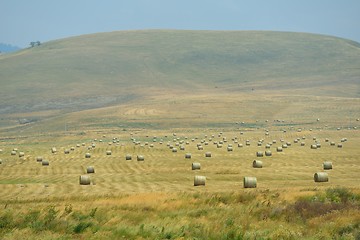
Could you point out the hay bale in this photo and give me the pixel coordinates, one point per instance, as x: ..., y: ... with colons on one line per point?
x: 39, y: 159
x: 332, y: 144
x: 21, y: 154
x: 257, y: 164
x: 267, y: 146
x: 67, y: 151
x: 199, y: 180
x: 284, y: 145
x: 208, y: 154
x: 268, y: 153
x: 108, y: 153
x: 327, y: 165
x: 72, y: 149
x: 250, y: 182
x: 87, y: 155
x: 53, y: 150
x: 339, y: 145
x: 45, y: 163
x: 219, y: 145
x: 302, y: 143
x: 13, y: 153
x: 259, y: 144
x: 84, y: 180
x: 174, y: 150
x: 229, y: 149
x: 318, y: 145
x: 321, y: 177
x: 140, y: 158
x: 200, y: 147
x: 195, y: 166
x: 182, y: 148
x: 279, y: 149
x: 90, y: 169
x: 259, y: 154
x: 128, y: 157
x: 188, y: 155
x: 313, y: 146
x: 240, y: 145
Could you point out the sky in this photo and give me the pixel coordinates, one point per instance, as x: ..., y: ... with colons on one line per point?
x: 24, y: 21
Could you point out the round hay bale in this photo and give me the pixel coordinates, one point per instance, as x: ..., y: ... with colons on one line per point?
x: 15, y: 149
x: 288, y: 144
x: 67, y: 151
x: 108, y: 153
x: 39, y: 159
x: 72, y: 149
x: 140, y: 158
x: 332, y: 144
x: 87, y: 155
x: 279, y: 149
x: 174, y: 150
x: 313, y: 146
x: 240, y: 145
x: 195, y: 166
x: 21, y: 154
x: 45, y: 163
x: 259, y: 154
x: 128, y: 157
x: 250, y: 182
x: 267, y: 146
x: 219, y: 145
x: 229, y: 149
x: 257, y: 164
x: 327, y: 165
x: 326, y: 140
x: 268, y: 153
x: 318, y: 145
x: 13, y: 153
x: 321, y: 177
x: 208, y: 154
x: 199, y: 180
x: 284, y: 146
x: 90, y: 169
x: 53, y: 150
x: 296, y: 141
x: 200, y: 148
x: 339, y: 145
x: 188, y: 155
x: 182, y: 148
x: 84, y: 180
x: 302, y: 143
x: 259, y: 144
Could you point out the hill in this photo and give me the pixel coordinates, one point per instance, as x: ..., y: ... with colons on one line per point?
x: 157, y: 66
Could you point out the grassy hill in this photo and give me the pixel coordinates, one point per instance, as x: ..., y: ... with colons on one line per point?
x: 156, y: 66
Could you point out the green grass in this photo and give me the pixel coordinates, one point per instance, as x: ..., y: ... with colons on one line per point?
x: 200, y: 216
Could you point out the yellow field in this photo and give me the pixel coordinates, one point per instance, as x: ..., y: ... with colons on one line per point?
x: 165, y: 171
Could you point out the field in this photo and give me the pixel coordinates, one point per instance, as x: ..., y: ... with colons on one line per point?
x: 157, y: 198
x: 148, y: 92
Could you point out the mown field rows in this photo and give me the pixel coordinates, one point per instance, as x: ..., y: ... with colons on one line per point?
x: 167, y: 171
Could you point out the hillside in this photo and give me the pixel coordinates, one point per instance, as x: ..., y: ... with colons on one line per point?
x: 156, y: 78
x: 107, y: 68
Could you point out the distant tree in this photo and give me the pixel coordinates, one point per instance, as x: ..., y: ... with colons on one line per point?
x: 33, y: 44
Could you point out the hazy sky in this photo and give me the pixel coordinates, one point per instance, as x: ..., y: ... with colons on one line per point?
x: 23, y: 21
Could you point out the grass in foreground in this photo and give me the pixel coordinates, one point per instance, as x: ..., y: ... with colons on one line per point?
x: 330, y: 214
